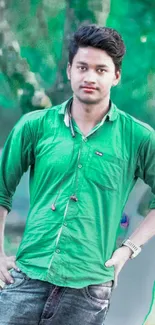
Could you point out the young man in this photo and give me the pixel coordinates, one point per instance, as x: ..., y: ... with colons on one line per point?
x: 85, y: 156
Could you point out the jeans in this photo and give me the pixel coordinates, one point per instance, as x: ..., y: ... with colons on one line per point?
x: 35, y: 302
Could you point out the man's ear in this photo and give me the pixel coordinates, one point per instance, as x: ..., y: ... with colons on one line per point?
x: 69, y: 71
x: 117, y: 78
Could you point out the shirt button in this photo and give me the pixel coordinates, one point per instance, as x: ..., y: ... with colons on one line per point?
x: 79, y: 166
x: 85, y: 139
x: 57, y: 251
x: 65, y: 224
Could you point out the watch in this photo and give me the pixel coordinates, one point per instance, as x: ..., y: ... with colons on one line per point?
x: 135, y: 249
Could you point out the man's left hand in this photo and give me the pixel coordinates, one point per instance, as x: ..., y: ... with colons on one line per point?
x: 118, y: 260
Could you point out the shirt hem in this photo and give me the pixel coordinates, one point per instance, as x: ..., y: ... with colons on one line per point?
x: 60, y: 283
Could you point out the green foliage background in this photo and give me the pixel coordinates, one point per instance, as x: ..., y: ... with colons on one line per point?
x: 135, y: 20
x: 34, y: 37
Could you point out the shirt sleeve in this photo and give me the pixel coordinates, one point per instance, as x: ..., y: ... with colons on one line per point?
x: 17, y: 156
x: 146, y: 164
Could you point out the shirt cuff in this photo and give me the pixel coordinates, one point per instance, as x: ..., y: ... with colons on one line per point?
x: 5, y: 203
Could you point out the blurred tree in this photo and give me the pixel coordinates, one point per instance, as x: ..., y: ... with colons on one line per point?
x: 34, y: 38
x: 136, y: 22
x: 43, y: 37
x: 16, y: 72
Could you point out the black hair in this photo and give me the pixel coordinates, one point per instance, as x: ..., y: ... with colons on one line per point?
x: 104, y: 38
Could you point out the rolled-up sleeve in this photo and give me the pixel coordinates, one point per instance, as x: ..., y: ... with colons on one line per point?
x: 146, y: 164
x: 17, y: 156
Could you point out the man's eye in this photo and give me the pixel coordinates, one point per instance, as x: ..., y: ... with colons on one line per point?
x: 100, y: 70
x: 82, y: 68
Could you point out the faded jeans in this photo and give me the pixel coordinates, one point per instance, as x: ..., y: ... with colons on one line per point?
x: 35, y: 302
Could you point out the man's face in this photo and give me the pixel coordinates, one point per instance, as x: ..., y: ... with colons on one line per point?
x: 92, y: 74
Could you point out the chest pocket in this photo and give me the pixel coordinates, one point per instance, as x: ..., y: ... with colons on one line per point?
x: 105, y: 170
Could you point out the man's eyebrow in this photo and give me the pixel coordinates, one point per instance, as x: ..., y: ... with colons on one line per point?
x: 102, y: 66
x: 81, y: 62
x: 97, y: 65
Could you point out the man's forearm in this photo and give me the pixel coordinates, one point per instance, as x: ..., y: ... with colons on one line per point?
x: 145, y: 231
x: 3, y: 214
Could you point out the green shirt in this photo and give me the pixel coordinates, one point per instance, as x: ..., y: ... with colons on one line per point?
x: 69, y: 246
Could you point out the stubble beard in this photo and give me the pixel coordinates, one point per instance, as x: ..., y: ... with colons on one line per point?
x: 89, y: 101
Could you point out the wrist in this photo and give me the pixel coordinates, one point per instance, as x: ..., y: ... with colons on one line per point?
x: 127, y: 252
x: 2, y: 253
x: 135, y: 250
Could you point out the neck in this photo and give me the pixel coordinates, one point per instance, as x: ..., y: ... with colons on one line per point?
x: 89, y: 114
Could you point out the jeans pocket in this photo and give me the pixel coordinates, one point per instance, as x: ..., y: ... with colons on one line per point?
x: 18, y: 278
x: 99, y: 293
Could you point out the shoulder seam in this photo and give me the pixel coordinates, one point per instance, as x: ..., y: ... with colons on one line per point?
x: 135, y: 120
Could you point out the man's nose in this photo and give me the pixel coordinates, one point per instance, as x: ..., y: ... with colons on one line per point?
x: 90, y: 77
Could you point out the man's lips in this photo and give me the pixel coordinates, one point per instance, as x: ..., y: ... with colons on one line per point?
x: 88, y: 88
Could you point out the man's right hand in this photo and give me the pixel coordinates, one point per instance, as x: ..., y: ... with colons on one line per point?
x: 7, y: 263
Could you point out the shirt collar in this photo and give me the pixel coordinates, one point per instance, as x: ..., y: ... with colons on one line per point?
x: 111, y: 115
x: 113, y: 112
